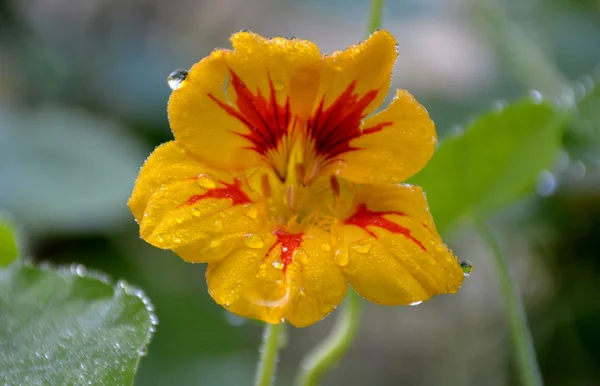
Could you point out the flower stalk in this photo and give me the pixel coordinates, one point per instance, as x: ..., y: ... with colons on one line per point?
x: 269, y: 351
x: 375, y: 15
x: 519, y: 331
x: 332, y: 349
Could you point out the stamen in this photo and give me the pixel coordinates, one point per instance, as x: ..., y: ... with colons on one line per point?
x: 300, y: 172
x: 290, y: 194
x: 335, y: 185
x: 313, y: 171
x: 265, y: 186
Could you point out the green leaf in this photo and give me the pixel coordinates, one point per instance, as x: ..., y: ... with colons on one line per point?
x: 8, y: 245
x: 494, y: 163
x: 60, y: 327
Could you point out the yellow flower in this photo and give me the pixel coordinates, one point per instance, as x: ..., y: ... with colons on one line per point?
x: 285, y: 183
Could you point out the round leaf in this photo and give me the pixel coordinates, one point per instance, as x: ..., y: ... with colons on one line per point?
x: 60, y: 327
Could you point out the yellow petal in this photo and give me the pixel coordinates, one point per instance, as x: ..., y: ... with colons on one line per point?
x: 367, y: 66
x: 200, y: 213
x: 400, y: 141
x: 168, y: 163
x: 354, y: 83
x: 292, y: 276
x: 238, y: 107
x: 389, y: 249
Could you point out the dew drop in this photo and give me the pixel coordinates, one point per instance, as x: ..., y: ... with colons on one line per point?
x: 252, y: 212
x: 142, y: 351
x: 196, y: 213
x: 254, y: 241
x: 262, y: 266
x: 206, y: 181
x: 214, y: 243
x: 416, y: 303
x: 580, y: 90
x: 342, y: 257
x: 326, y: 247
x: 546, y: 183
x: 536, y: 96
x: 278, y: 264
x: 218, y: 225
x: 79, y: 270
x: 362, y: 248
x: 302, y: 291
x: 235, y: 320
x: 178, y: 220
x: 499, y: 105
x: 576, y: 169
x: 176, y: 78
x: 466, y: 267
x: 278, y: 85
x: 153, y: 319
x: 176, y: 240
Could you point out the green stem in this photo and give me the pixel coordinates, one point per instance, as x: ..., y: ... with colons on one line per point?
x: 329, y: 352
x: 519, y: 331
x: 375, y: 16
x: 528, y: 61
x: 268, y: 354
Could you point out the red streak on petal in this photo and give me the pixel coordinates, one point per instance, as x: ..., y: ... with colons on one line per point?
x: 266, y: 120
x: 364, y: 218
x: 232, y: 192
x: 334, y: 128
x: 288, y: 242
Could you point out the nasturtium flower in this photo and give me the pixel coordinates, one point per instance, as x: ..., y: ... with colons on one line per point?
x: 283, y: 179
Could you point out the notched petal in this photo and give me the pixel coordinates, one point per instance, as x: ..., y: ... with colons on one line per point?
x: 389, y: 249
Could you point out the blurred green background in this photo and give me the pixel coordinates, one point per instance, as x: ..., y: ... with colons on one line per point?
x: 83, y: 98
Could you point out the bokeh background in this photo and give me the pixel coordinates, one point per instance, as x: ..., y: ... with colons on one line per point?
x: 83, y: 101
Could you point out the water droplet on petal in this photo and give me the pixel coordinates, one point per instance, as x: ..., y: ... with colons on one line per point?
x: 178, y: 220
x: 278, y: 264
x: 546, y: 183
x: 176, y: 78
x: 235, y: 320
x: 206, y: 181
x: 218, y: 225
x: 254, y: 241
x: 302, y: 291
x: 262, y: 266
x: 214, y: 243
x: 196, y: 213
x: 278, y: 85
x: 416, y: 303
x: 362, y: 248
x: 466, y: 267
x: 326, y: 247
x: 176, y: 240
x: 142, y: 351
x: 252, y: 212
x: 342, y: 257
